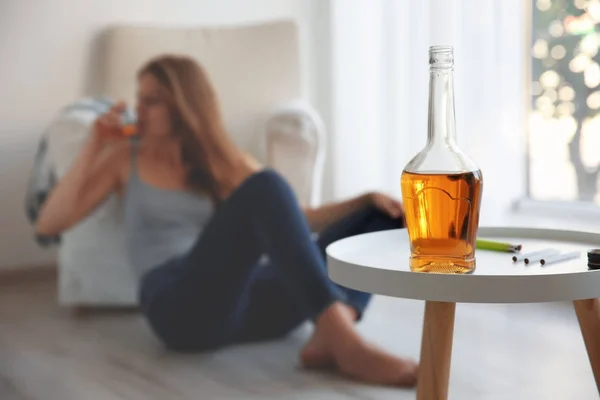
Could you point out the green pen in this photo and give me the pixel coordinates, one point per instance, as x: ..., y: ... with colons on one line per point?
x: 497, y: 246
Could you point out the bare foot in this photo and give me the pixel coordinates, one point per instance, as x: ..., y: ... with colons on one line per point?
x: 316, y: 354
x: 370, y: 364
x: 360, y: 361
x: 337, y: 343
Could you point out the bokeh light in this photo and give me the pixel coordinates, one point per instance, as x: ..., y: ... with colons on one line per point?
x: 542, y: 102
x: 592, y: 75
x: 551, y: 94
x: 566, y: 93
x: 545, y: 106
x: 593, y: 101
x: 593, y: 9
x: 543, y: 5
x: 558, y: 52
x: 579, y: 63
x: 579, y: 25
x: 565, y: 109
x: 556, y: 29
x: 540, y: 49
x: 589, y: 44
x: 549, y: 79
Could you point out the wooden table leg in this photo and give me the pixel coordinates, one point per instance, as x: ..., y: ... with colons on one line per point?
x: 588, y: 314
x: 436, y: 351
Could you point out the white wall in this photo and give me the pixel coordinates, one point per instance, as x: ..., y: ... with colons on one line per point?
x: 45, y: 59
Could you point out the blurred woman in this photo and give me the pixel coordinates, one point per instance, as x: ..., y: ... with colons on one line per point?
x: 199, y: 216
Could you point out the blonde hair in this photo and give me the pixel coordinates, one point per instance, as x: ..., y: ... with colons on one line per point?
x: 206, y: 149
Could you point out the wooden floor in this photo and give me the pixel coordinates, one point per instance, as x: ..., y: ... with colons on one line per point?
x: 501, y: 352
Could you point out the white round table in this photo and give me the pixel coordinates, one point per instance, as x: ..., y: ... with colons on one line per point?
x: 378, y: 263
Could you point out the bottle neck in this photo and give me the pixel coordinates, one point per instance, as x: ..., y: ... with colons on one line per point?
x: 441, y: 130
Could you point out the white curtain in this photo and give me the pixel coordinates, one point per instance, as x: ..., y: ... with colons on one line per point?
x: 380, y: 90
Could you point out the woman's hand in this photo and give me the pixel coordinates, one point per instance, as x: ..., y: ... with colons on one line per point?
x: 388, y: 205
x: 92, y: 177
x: 108, y: 127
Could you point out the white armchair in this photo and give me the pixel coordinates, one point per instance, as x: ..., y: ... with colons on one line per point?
x: 256, y: 71
x: 295, y: 139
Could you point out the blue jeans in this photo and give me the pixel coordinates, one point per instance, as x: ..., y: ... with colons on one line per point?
x: 219, y: 293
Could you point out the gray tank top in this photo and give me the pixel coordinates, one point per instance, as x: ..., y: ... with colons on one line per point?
x: 160, y: 224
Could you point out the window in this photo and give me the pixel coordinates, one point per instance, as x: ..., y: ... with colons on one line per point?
x: 564, y: 134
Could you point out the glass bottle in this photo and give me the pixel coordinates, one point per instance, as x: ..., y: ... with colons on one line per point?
x: 441, y: 186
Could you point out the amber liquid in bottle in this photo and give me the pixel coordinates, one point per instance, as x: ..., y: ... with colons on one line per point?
x: 441, y: 186
x: 442, y: 211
